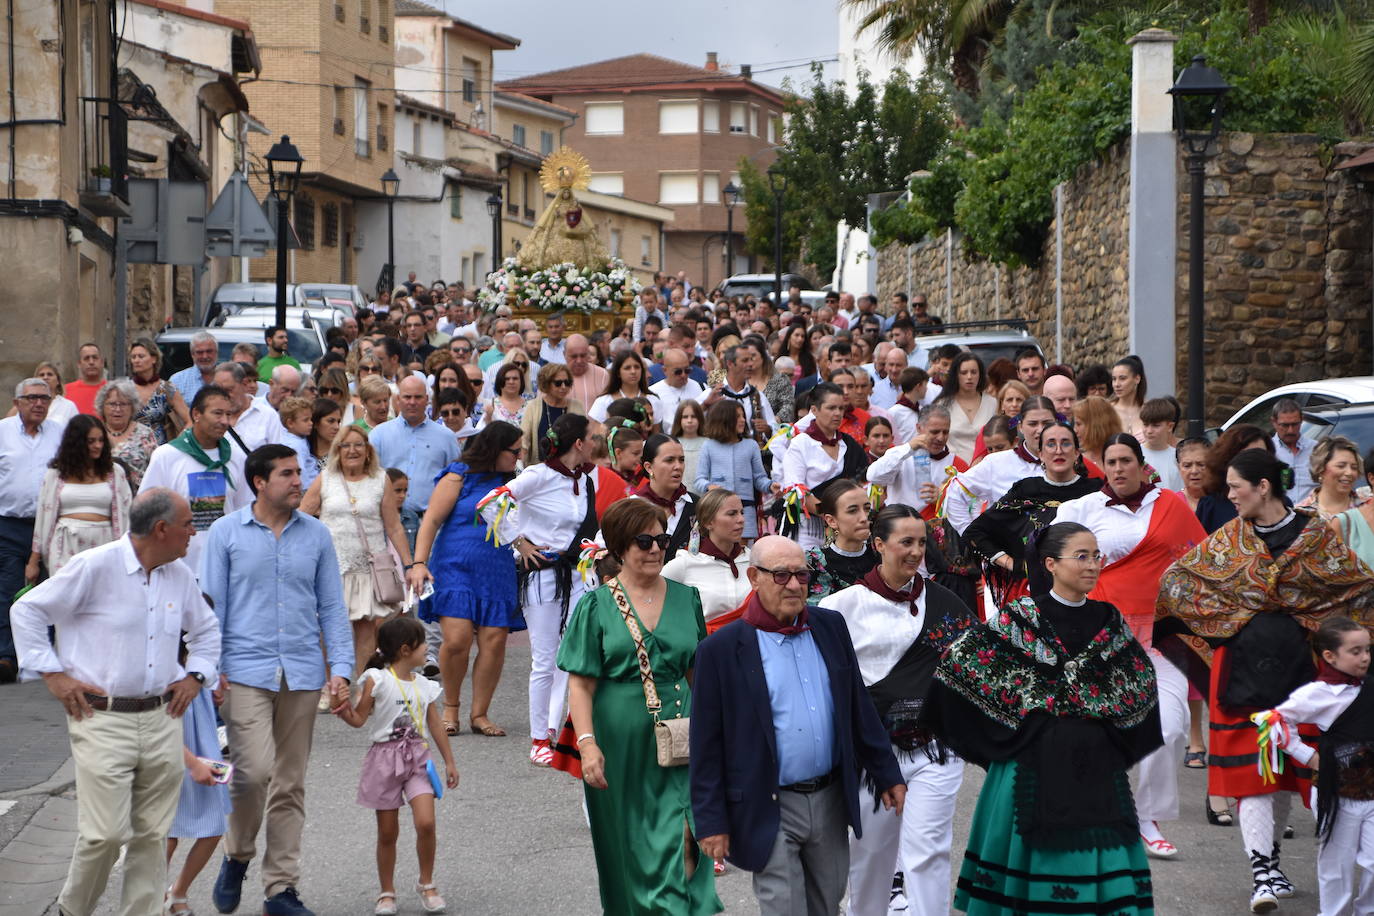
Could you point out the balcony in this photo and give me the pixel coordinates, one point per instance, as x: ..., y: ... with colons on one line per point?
x: 513, y: 210
x: 104, y: 189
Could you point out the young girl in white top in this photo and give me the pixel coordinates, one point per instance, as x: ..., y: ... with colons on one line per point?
x: 1337, y: 703
x: 396, y: 770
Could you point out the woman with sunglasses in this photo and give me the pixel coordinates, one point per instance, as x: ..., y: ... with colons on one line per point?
x: 1052, y: 680
x: 555, y: 399
x: 333, y: 384
x: 900, y: 624
x: 474, y: 578
x: 637, y: 627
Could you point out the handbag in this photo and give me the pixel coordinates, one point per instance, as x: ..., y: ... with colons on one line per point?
x: 387, y: 587
x: 671, y: 736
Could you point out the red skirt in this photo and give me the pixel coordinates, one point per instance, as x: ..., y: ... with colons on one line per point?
x: 1233, y: 749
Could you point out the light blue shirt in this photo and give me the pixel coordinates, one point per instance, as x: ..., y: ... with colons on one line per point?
x: 420, y: 451
x: 803, y: 709
x: 1300, y: 460
x: 275, y: 597
x: 188, y: 381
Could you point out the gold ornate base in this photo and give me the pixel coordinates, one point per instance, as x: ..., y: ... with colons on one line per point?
x: 579, y: 322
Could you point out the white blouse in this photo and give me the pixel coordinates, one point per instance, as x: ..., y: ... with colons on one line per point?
x: 807, y: 463
x: 720, y: 592
x: 987, y: 481
x: 1319, y: 704
x: 963, y: 432
x: 603, y: 404
x: 1118, y: 530
x: 546, y: 511
x: 882, y: 631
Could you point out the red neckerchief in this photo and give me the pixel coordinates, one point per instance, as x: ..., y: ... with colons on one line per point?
x: 575, y: 473
x: 1131, y: 502
x: 814, y: 431
x: 904, y: 401
x: 1025, y: 454
x: 1328, y: 674
x: 646, y: 491
x: 873, y: 581
x: 754, y: 615
x: 708, y: 547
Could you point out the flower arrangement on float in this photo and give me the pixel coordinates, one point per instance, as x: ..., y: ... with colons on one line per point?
x: 560, y: 287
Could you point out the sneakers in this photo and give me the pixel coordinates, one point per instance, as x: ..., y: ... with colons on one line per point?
x: 229, y: 885
x: 286, y: 903
x: 541, y: 755
x: 1263, y: 899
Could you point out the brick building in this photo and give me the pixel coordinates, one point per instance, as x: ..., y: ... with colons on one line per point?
x: 660, y: 130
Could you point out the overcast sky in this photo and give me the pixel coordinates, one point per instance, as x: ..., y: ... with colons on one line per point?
x: 777, y: 37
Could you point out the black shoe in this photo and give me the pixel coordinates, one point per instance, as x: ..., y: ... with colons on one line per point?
x: 287, y: 903
x: 430, y: 670
x: 228, y: 888
x: 1222, y: 818
x: 9, y: 670
x: 1288, y: 832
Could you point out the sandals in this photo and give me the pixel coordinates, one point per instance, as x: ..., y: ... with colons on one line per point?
x: 541, y: 755
x: 489, y: 730
x: 430, y: 901
x: 170, y: 902
x: 450, y: 725
x: 386, y: 904
x: 1222, y: 818
x: 1195, y: 760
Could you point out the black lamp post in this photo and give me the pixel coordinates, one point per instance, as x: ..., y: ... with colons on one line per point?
x: 283, y: 175
x: 391, y: 186
x: 494, y: 211
x: 731, y: 198
x: 777, y: 181
x: 1199, y: 95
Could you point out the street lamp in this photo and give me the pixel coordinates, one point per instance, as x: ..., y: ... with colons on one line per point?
x: 391, y: 186
x: 494, y: 211
x: 731, y: 198
x: 777, y: 180
x: 283, y: 175
x: 1199, y: 96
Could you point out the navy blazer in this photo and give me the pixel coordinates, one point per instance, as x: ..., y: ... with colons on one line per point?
x: 734, y: 754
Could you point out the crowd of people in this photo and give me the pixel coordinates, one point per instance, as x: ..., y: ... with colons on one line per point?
x: 784, y: 571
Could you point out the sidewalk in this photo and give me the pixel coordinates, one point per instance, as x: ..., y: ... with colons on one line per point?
x: 37, y: 800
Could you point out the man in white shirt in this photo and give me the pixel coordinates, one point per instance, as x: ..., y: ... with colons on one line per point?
x: 740, y: 364
x: 28, y: 441
x: 677, y: 386
x: 588, y: 380
x: 260, y: 424
x: 120, y: 610
x: 1292, y: 447
x: 553, y: 349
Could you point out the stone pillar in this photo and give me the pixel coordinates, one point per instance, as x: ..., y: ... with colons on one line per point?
x: 1153, y: 228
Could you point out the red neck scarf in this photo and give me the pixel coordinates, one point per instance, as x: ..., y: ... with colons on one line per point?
x: 646, y: 491
x: 814, y: 431
x: 759, y: 619
x: 1328, y: 674
x: 904, y: 401
x: 1025, y: 454
x: 940, y: 455
x: 709, y: 548
x: 1131, y: 502
x: 575, y: 473
x: 874, y: 582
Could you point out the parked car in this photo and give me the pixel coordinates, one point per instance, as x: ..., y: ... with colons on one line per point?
x: 324, y: 314
x: 346, y: 296
x: 1319, y: 393
x: 305, y: 344
x: 988, y: 340
x: 760, y: 286
x: 234, y: 297
x: 1354, y: 421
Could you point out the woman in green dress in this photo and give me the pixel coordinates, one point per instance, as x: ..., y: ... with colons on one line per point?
x: 640, y: 812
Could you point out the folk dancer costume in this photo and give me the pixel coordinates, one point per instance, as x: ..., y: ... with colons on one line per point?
x: 1343, y: 708
x: 898, y: 638
x: 807, y: 468
x: 1007, y: 526
x: 897, y: 470
x: 718, y: 577
x: 1233, y: 611
x: 988, y: 481
x: 1057, y: 701
x: 681, y: 511
x: 835, y: 569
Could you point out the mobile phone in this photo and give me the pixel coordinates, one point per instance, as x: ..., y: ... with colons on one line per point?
x: 222, y: 770
x: 428, y: 590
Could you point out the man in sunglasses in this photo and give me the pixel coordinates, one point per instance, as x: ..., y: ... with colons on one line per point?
x: 793, y: 788
x: 677, y: 385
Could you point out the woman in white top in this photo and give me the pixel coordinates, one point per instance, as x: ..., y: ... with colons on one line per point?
x: 60, y: 409
x: 817, y: 455
x: 969, y: 407
x: 663, y: 462
x: 900, y: 625
x: 362, y: 514
x: 716, y: 568
x: 990, y: 479
x: 629, y: 378
x: 83, y: 502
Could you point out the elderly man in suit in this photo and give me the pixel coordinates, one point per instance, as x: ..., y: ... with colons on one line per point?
x: 781, y: 729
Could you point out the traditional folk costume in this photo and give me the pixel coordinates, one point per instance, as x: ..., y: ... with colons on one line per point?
x: 806, y: 469
x: 1057, y: 701
x: 986, y: 482
x: 834, y: 570
x: 681, y: 511
x: 1233, y: 612
x: 898, y: 639
x: 897, y: 470
x: 717, y: 576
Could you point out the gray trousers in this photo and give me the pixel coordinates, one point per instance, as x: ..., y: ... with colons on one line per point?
x: 809, y: 866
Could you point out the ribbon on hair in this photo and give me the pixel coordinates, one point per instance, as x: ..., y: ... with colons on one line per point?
x: 1274, y: 733
x: 503, y: 499
x: 784, y: 432
x: 794, y: 502
x: 586, y: 556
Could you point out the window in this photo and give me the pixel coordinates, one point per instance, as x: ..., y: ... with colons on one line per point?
x: 303, y: 219
x: 605, y: 118
x: 466, y: 277
x: 455, y: 201
x: 383, y: 137
x: 608, y: 183
x: 677, y: 187
x: 416, y: 139
x: 753, y: 120
x: 479, y: 271
x: 545, y: 142
x: 472, y: 78
x: 739, y: 117
x: 364, y: 17
x: 645, y: 249
x: 677, y: 116
x: 710, y: 187
x: 710, y: 117
x: 329, y: 229
x: 383, y: 34
x: 360, y: 131
x: 340, y: 110
x: 772, y: 127
x: 517, y: 135
x: 615, y: 243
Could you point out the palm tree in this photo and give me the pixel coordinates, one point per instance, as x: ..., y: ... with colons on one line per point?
x: 953, y: 32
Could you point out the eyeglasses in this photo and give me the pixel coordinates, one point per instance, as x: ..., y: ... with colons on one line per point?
x: 460, y: 351
x: 451, y: 412
x: 1095, y: 558
x: 362, y: 369
x: 783, y: 576
x: 561, y: 383
x: 1064, y: 446
x: 37, y: 398
x: 646, y: 541
x: 677, y: 371
x: 516, y: 452
x: 331, y: 390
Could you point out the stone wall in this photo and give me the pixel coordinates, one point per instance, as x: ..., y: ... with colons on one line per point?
x: 1288, y: 284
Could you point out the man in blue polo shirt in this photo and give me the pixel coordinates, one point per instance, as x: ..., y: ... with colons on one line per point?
x: 415, y: 444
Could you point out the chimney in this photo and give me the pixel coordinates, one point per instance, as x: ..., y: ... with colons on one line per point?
x: 711, y: 63
x: 746, y: 71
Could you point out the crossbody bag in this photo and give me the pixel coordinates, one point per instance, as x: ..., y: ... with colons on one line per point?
x: 387, y: 587
x: 671, y: 736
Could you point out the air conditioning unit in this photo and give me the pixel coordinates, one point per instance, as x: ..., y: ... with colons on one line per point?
x: 357, y: 241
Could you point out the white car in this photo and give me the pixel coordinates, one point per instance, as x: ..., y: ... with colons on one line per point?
x: 1332, y: 391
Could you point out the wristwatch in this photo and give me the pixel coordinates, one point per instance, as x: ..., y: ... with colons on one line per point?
x: 200, y: 678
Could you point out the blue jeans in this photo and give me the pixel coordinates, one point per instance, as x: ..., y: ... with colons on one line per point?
x: 16, y: 543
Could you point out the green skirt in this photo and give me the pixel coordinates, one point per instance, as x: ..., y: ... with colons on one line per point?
x: 1003, y: 874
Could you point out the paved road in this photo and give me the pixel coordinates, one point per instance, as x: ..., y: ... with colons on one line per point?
x: 512, y: 837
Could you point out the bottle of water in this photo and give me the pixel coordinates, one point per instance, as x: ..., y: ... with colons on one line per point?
x: 922, y: 459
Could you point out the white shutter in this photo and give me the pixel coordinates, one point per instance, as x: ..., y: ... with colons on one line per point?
x: 739, y: 117
x: 677, y: 187
x: 677, y: 116
x: 710, y: 187
x: 615, y: 243
x: 608, y: 183
x: 754, y: 120
x: 710, y: 117
x: 605, y: 118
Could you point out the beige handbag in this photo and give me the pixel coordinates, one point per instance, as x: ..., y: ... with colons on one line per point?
x: 387, y: 586
x: 671, y: 736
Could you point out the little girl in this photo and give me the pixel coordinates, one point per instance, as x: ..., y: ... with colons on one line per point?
x: 394, y: 771
x: 1339, y: 703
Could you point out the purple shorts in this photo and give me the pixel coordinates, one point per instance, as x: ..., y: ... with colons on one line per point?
x: 393, y: 774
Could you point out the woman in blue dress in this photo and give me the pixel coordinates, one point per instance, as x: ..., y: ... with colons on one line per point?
x: 474, y: 580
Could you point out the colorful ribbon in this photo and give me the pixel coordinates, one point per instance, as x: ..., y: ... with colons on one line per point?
x: 794, y: 503
x: 504, y: 501
x: 784, y: 432
x: 1274, y: 733
x: 877, y: 495
x: 586, y: 556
